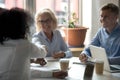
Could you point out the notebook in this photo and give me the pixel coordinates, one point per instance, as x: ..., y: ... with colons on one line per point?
x: 100, y: 53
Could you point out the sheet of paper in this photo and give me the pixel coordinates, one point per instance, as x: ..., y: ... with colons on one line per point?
x: 47, y: 67
x: 51, y: 59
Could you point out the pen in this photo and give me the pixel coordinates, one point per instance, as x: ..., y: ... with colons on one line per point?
x: 79, y: 63
x: 83, y: 63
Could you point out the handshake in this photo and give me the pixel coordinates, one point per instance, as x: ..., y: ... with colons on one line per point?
x: 57, y: 74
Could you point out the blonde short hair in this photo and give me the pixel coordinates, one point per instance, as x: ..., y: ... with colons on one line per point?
x: 51, y: 15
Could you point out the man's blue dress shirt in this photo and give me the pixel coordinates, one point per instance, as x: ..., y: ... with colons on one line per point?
x: 111, y: 43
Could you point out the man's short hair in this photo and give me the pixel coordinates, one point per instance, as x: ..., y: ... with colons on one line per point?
x: 112, y: 7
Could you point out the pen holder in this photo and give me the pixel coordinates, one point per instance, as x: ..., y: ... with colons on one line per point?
x: 89, y: 70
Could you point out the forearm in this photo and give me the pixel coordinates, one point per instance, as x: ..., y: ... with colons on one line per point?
x: 86, y: 51
x: 41, y: 74
x: 68, y: 54
x: 37, y: 52
x: 47, y: 74
x: 114, y: 60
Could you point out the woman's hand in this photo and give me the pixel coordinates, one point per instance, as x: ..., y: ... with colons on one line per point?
x: 59, y: 54
x: 60, y: 74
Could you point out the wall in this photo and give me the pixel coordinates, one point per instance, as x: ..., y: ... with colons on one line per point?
x: 90, y: 15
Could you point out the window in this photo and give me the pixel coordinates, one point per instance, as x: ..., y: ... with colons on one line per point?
x: 62, y: 8
x: 11, y: 3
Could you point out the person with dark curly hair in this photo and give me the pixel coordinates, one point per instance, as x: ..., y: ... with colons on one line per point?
x: 15, y: 48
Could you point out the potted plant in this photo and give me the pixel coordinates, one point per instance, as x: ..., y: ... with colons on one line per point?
x: 74, y: 33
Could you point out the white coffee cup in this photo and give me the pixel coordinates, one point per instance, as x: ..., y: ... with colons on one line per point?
x: 99, y: 66
x: 64, y: 64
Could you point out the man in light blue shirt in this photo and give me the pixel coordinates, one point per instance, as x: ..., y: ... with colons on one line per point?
x: 108, y: 36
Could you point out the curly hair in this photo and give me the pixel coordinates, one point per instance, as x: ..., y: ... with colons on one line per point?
x: 14, y: 24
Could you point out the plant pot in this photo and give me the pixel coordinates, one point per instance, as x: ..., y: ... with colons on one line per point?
x: 75, y: 37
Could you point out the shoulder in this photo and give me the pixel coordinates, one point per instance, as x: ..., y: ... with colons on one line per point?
x: 38, y: 35
x: 56, y: 32
x: 101, y: 30
x: 20, y: 42
x: 118, y: 27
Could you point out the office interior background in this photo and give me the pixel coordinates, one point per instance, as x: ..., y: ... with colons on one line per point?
x: 87, y: 11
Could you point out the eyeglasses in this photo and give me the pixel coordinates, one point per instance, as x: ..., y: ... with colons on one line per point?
x: 45, y: 21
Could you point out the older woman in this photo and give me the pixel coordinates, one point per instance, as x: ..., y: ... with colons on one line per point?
x: 46, y: 24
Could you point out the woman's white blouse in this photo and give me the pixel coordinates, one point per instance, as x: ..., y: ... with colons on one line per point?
x: 15, y: 59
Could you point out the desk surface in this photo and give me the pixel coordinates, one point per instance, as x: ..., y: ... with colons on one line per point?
x: 76, y: 72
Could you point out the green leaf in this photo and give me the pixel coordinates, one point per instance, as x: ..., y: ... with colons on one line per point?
x: 71, y: 25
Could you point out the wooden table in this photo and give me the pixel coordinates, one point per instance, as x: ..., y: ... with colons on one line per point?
x: 76, y: 72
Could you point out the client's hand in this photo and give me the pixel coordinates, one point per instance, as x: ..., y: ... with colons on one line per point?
x: 83, y: 57
x: 41, y: 61
x: 60, y: 74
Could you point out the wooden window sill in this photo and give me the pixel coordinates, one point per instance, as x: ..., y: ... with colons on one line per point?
x: 76, y: 51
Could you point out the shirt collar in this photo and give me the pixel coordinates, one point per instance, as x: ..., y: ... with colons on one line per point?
x: 116, y: 28
x: 42, y: 32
